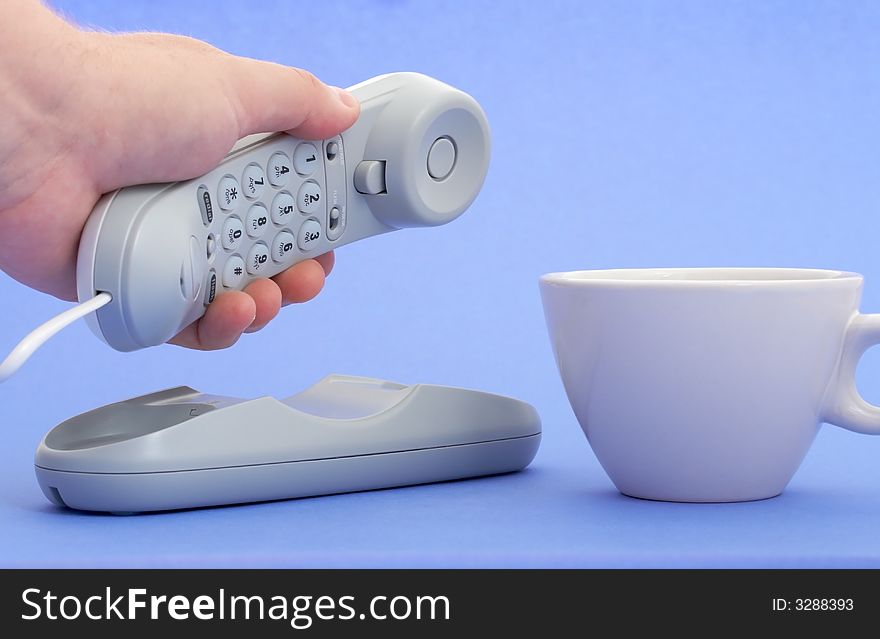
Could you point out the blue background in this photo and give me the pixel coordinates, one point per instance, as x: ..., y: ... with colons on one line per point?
x: 625, y: 134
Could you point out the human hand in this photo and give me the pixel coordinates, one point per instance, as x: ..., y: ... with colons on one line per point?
x: 85, y: 113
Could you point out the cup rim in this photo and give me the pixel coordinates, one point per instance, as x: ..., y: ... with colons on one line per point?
x: 698, y: 277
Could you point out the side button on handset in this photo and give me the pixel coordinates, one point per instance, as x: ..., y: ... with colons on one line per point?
x: 369, y: 177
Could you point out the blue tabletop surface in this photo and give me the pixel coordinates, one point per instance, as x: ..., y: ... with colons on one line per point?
x: 625, y: 134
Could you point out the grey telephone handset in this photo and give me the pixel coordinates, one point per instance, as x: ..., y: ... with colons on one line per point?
x: 417, y: 156
x: 153, y: 257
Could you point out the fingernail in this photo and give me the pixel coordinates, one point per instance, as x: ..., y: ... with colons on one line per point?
x: 345, y: 97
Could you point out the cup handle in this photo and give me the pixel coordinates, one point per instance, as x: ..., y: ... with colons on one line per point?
x: 844, y: 406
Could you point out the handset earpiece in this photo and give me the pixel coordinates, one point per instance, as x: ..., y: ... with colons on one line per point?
x: 426, y: 156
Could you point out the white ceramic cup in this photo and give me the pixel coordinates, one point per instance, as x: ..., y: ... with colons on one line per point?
x: 709, y: 385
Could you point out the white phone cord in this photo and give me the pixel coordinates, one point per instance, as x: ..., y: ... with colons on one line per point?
x: 40, y: 335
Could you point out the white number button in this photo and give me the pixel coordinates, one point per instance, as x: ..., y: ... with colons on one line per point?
x: 233, y: 272
x: 309, y: 235
x: 257, y: 259
x: 305, y: 158
x: 282, y: 208
x: 308, y: 198
x: 257, y: 220
x: 282, y: 245
x: 279, y: 169
x: 228, y: 193
x: 253, y: 181
x: 233, y: 232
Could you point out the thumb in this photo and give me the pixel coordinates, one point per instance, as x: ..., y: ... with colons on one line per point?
x: 171, y: 107
x: 272, y: 97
